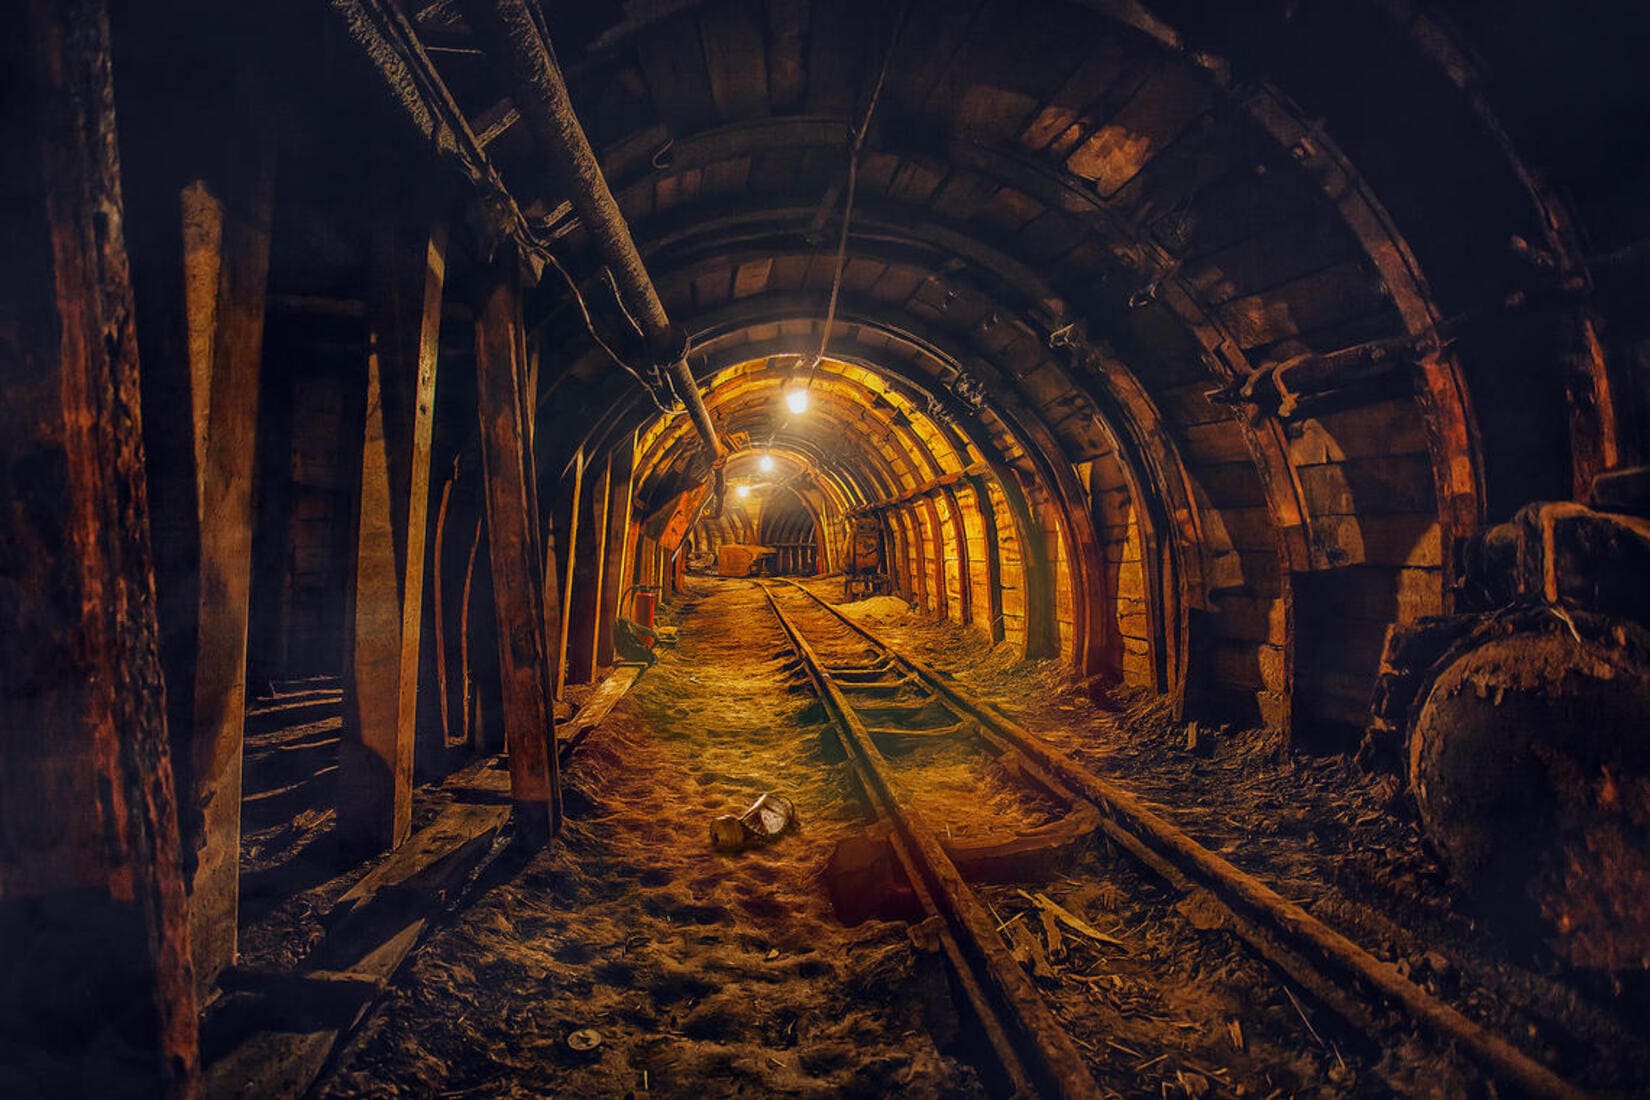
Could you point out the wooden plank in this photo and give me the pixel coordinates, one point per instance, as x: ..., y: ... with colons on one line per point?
x: 615, y: 566
x: 787, y: 27
x: 585, y: 585
x: 736, y: 60
x: 297, y: 1019
x: 598, y: 707
x: 673, y: 64
x: 225, y: 572
x: 529, y: 722
x: 385, y: 616
x: 1333, y: 295
x: 993, y: 559
x: 90, y: 880
x: 567, y: 519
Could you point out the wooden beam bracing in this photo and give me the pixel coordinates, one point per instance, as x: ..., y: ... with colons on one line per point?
x: 529, y: 721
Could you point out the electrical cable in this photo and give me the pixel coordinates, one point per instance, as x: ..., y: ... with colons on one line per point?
x: 854, y: 148
x: 590, y: 326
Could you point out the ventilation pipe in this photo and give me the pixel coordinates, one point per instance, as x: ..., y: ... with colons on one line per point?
x: 541, y: 96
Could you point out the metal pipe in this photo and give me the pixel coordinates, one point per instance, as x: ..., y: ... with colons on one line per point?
x: 541, y: 96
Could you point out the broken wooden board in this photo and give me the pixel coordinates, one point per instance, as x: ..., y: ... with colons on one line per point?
x: 289, y: 1024
x: 598, y: 707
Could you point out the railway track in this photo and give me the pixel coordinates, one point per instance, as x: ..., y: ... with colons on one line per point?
x: 885, y: 702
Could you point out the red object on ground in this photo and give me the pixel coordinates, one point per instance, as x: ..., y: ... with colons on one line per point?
x: 645, y: 607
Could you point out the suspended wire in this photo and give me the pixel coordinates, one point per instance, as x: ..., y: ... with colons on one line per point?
x: 618, y: 299
x: 590, y: 326
x: 854, y: 148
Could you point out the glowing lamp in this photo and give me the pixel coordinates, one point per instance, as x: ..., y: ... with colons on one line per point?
x: 765, y: 464
x: 797, y: 401
x: 743, y: 490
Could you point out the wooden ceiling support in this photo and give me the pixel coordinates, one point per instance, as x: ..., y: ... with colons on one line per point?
x: 385, y: 596
x: 616, y: 567
x: 516, y: 557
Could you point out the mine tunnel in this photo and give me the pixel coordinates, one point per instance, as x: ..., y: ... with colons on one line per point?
x: 937, y: 548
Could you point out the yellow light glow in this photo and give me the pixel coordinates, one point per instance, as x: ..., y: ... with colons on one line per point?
x: 765, y: 464
x: 743, y: 490
x: 797, y: 401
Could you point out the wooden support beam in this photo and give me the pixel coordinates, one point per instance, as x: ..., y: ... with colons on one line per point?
x: 385, y: 615
x: 585, y: 589
x: 615, y: 566
x: 965, y: 587
x: 230, y: 369
x: 1036, y: 566
x: 993, y: 558
x: 529, y: 721
x: 99, y: 997
x: 927, y: 488
x: 927, y: 520
x: 567, y: 521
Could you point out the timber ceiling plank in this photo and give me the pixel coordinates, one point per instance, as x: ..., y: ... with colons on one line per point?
x: 673, y: 63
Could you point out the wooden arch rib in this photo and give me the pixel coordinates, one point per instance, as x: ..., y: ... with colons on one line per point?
x: 1038, y: 231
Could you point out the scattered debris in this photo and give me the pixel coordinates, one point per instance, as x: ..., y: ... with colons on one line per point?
x: 768, y: 818
x: 1071, y: 920
x: 584, y: 1039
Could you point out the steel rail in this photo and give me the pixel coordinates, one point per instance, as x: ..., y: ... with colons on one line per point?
x: 1322, y: 960
x: 1038, y: 1056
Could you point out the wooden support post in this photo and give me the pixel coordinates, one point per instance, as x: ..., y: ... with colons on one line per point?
x: 965, y: 588
x: 615, y: 567
x: 99, y: 997
x: 567, y: 520
x: 920, y: 568
x: 529, y: 722
x: 233, y: 355
x: 584, y: 606
x: 993, y: 558
x: 385, y: 603
x: 1037, y: 568
x: 927, y: 519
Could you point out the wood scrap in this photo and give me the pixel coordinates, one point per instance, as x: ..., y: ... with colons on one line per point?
x: 1069, y: 919
x: 1051, y: 935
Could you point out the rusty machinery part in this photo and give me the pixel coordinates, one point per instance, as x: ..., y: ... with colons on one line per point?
x: 1518, y: 727
x: 1529, y: 763
x: 1340, y: 975
x: 867, y: 554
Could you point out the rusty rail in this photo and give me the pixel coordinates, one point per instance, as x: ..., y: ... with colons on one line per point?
x: 1031, y: 1046
x: 1321, y: 959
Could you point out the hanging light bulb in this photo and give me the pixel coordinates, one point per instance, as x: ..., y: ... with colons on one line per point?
x: 796, y: 400
x: 765, y: 464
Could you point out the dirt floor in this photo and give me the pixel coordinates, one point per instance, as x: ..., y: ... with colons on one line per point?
x: 701, y: 974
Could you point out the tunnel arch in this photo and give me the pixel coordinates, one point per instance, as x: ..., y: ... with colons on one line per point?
x: 1049, y: 237
x: 1284, y: 361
